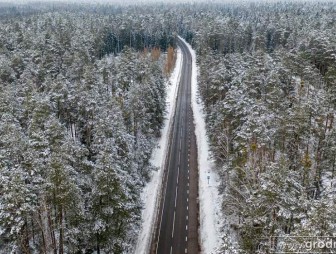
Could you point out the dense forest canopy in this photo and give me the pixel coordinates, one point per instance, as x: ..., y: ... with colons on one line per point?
x: 267, y: 79
x: 79, y: 114
x: 82, y: 100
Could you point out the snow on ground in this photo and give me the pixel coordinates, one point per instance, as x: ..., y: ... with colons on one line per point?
x: 150, y: 195
x: 209, y: 198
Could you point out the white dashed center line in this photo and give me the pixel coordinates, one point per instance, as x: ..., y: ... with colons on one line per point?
x: 173, y: 225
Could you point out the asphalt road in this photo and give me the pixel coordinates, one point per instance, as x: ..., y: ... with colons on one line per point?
x: 177, y: 224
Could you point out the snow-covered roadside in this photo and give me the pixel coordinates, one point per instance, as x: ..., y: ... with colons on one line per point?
x: 150, y: 193
x: 209, y: 198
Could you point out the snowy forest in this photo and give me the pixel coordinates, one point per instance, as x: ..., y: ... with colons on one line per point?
x: 82, y: 101
x: 267, y: 78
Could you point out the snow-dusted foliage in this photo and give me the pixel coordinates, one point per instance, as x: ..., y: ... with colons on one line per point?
x: 82, y: 99
x: 267, y: 80
x: 77, y: 128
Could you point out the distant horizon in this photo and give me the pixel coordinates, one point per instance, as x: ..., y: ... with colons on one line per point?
x: 155, y: 1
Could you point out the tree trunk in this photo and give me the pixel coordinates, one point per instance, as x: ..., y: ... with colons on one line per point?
x: 52, y: 233
x: 61, y: 249
x: 24, y: 242
x: 45, y: 227
x: 98, y: 247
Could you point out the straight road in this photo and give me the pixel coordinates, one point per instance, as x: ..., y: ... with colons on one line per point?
x: 177, y: 224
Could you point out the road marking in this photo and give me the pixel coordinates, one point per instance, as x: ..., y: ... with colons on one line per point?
x: 175, y: 196
x: 180, y: 144
x: 187, y: 217
x: 178, y: 174
x: 186, y: 227
x: 188, y: 184
x: 188, y: 164
x: 173, y: 225
x: 187, y: 200
x: 187, y: 208
x: 179, y: 158
x: 171, y: 249
x: 186, y: 251
x: 187, y: 191
x: 186, y: 238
